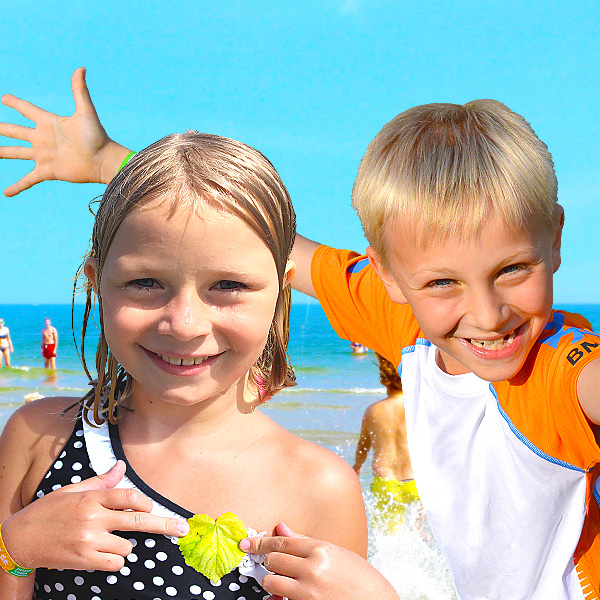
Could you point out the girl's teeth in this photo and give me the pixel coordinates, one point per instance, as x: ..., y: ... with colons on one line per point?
x: 186, y: 362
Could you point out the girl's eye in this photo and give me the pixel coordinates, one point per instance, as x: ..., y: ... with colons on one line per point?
x: 145, y: 282
x: 228, y: 284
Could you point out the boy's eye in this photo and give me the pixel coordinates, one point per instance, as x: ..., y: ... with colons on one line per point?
x: 228, y: 284
x: 440, y: 283
x: 512, y: 269
x: 145, y: 282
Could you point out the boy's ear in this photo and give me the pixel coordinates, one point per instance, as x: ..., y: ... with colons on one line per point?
x: 90, y: 269
x: 556, y: 260
x: 393, y: 290
x: 290, y: 273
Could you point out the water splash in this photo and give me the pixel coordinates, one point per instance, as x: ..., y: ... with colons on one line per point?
x: 410, y: 558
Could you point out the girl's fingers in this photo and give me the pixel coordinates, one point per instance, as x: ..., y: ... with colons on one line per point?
x: 104, y: 481
x: 81, y: 94
x: 148, y: 523
x: 18, y: 152
x: 296, y: 546
x: 281, y: 587
x: 23, y: 184
x: 285, y: 564
x: 284, y: 530
x: 16, y: 132
x: 28, y: 110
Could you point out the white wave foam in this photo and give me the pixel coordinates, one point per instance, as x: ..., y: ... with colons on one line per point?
x: 410, y: 559
x: 357, y: 390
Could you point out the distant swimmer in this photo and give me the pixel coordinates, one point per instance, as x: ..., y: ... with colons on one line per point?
x: 384, y: 430
x: 6, y: 346
x: 49, y: 344
x: 358, y: 348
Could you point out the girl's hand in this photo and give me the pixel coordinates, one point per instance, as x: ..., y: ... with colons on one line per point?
x: 71, y: 528
x: 308, y: 569
x: 74, y: 148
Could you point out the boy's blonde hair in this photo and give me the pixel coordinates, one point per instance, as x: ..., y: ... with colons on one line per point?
x: 188, y: 171
x: 447, y: 168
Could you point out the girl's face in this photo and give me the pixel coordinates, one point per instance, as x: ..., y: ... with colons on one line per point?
x: 187, y: 301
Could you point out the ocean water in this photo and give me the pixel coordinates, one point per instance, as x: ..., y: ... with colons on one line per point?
x: 326, y: 407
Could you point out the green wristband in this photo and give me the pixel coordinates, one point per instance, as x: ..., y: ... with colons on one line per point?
x: 127, y: 159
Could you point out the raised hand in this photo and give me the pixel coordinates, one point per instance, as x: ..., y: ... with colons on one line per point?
x: 71, y: 528
x: 308, y: 569
x: 74, y: 148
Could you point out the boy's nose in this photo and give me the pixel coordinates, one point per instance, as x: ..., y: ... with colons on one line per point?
x: 488, y: 309
x: 186, y: 317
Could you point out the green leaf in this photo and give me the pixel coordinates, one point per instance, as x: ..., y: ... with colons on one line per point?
x: 212, y: 548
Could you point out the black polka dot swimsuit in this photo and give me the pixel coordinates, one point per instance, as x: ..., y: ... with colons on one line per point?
x: 155, y: 569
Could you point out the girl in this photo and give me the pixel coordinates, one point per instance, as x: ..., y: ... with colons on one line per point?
x: 6, y: 346
x: 189, y: 262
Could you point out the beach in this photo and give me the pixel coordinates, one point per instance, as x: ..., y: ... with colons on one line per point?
x: 326, y: 407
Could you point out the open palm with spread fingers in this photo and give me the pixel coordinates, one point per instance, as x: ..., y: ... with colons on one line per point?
x: 74, y: 148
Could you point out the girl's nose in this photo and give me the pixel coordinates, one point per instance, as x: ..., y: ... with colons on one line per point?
x: 186, y: 317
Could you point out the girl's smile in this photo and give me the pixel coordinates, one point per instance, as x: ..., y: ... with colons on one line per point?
x: 188, y: 301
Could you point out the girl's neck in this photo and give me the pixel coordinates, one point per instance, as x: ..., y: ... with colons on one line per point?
x: 157, y: 418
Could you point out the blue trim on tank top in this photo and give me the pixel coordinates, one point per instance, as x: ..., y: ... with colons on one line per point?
x: 358, y: 266
x: 518, y: 434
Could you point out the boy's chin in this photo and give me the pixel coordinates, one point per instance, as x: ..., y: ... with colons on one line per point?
x: 492, y: 371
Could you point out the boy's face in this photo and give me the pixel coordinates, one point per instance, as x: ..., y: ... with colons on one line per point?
x: 482, y: 301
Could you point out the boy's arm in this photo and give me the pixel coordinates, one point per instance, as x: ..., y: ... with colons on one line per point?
x: 364, y: 443
x: 588, y: 390
x: 302, y: 255
x: 74, y: 148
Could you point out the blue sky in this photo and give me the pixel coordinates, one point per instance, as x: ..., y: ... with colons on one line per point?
x: 309, y: 84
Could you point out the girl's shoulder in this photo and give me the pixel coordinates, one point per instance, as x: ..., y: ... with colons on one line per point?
x: 327, y: 498
x: 43, y: 417
x: 34, y: 435
x: 306, y: 459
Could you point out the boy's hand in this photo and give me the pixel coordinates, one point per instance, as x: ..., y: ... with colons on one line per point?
x: 74, y: 148
x: 308, y: 569
x: 71, y: 528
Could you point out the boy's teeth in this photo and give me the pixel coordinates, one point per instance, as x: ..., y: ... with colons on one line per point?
x: 495, y: 344
x: 186, y: 362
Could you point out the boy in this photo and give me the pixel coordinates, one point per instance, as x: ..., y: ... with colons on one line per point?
x: 501, y: 393
x: 383, y: 429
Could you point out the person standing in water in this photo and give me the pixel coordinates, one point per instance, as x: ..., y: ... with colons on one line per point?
x: 49, y: 344
x: 6, y: 346
x: 383, y: 429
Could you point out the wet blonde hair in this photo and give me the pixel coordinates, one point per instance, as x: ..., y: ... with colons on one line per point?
x: 388, y: 376
x: 446, y: 168
x: 188, y: 171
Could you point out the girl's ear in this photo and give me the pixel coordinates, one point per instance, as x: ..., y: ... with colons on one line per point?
x: 393, y: 289
x: 90, y: 268
x: 290, y: 273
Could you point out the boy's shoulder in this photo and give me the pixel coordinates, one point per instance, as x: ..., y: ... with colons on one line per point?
x: 567, y: 342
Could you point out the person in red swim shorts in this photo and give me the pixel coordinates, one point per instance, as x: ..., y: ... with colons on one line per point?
x: 49, y: 344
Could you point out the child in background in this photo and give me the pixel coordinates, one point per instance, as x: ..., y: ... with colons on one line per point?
x: 383, y: 429
x: 502, y: 398
x: 190, y: 323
